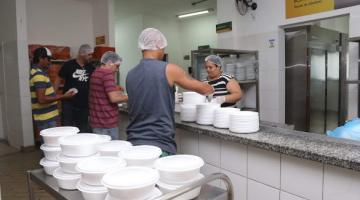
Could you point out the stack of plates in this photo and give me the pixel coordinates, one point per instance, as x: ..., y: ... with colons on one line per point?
x: 240, y: 72
x: 205, y: 113
x: 188, y: 112
x: 250, y: 72
x: 193, y: 98
x: 231, y: 68
x: 222, y: 117
x: 244, y: 122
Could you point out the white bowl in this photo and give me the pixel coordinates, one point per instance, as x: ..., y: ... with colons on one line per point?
x: 193, y: 98
x: 131, y: 182
x: 192, y: 194
x: 142, y: 155
x: 92, y: 192
x: 68, y: 164
x: 49, y: 166
x: 50, y: 152
x: 80, y: 145
x: 66, y: 181
x: 93, y: 169
x: 178, y: 169
x: 113, y: 148
x: 51, y: 135
x: 104, y: 138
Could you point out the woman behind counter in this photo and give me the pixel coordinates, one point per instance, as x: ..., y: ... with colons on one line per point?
x: 227, y: 89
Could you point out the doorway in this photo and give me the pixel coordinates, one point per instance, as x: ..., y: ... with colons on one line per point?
x: 314, y: 77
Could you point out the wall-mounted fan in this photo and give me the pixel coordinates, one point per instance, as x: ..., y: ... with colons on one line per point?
x: 244, y: 5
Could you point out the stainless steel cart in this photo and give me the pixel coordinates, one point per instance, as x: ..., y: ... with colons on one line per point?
x: 208, y: 192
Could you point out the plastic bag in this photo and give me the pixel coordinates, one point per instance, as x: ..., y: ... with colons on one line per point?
x: 351, y: 130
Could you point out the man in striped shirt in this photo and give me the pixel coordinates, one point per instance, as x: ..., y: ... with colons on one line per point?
x: 43, y: 97
x: 105, y: 96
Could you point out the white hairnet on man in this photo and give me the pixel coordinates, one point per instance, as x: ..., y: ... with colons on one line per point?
x: 152, y: 39
x: 85, y: 49
x: 217, y: 60
x: 113, y: 57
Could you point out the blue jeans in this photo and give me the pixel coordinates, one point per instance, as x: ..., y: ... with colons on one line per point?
x: 44, y: 125
x: 112, y: 132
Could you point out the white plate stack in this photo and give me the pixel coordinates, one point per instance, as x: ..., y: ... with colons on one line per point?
x: 179, y: 170
x: 240, y: 72
x: 244, y: 122
x: 222, y: 117
x: 193, y: 98
x: 231, y: 68
x: 188, y: 112
x: 250, y: 72
x: 205, y: 113
x: 51, y: 146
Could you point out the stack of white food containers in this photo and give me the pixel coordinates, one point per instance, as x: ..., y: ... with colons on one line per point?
x: 132, y: 183
x: 51, y: 146
x: 141, y: 156
x: 222, y: 117
x: 177, y: 171
x: 250, y: 72
x: 244, y: 122
x: 240, y: 72
x: 188, y: 107
x: 231, y: 69
x: 92, y: 171
x: 205, y: 113
x: 188, y: 112
x: 75, y: 148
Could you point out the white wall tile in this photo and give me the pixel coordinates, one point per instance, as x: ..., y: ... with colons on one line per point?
x: 239, y: 184
x: 189, y: 143
x: 301, y: 177
x: 234, y: 157
x: 341, y: 184
x: 287, y: 196
x: 264, y: 166
x: 258, y: 191
x: 208, y: 169
x: 209, y: 149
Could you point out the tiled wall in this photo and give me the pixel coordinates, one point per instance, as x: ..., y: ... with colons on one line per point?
x: 263, y: 175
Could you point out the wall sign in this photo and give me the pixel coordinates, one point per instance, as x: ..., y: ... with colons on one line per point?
x: 297, y: 8
x: 100, y: 40
x: 224, y: 27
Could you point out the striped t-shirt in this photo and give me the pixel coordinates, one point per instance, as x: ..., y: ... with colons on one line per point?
x: 42, y: 112
x: 103, y: 113
x: 220, y: 87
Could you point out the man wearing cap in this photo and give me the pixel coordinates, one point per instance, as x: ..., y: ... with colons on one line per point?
x: 150, y: 86
x: 227, y: 89
x: 43, y: 96
x: 105, y: 96
x: 76, y: 74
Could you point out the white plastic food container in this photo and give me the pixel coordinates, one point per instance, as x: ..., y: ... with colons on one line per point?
x: 66, y: 181
x: 142, y: 155
x: 93, y: 169
x: 178, y: 169
x: 193, y: 98
x: 165, y: 188
x: 68, y: 164
x: 80, y: 145
x: 92, y: 192
x: 131, y: 182
x: 49, y: 166
x: 188, y: 112
x: 50, y: 152
x: 52, y: 135
x: 113, y: 148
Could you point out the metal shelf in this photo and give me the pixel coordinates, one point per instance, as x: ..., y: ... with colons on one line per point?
x: 248, y: 82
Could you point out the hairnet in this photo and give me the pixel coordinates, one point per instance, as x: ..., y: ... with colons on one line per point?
x: 152, y: 39
x: 111, y: 56
x: 85, y: 49
x: 217, y: 60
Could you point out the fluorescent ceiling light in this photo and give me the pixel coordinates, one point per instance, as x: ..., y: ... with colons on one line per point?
x: 193, y: 14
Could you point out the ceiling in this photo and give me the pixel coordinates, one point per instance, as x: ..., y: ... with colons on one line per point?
x: 168, y: 8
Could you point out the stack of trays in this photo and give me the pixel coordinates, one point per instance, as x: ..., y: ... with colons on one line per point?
x: 205, y: 113
x: 244, y: 122
x: 188, y: 112
x: 222, y: 117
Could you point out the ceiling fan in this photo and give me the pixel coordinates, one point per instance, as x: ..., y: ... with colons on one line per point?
x: 243, y: 6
